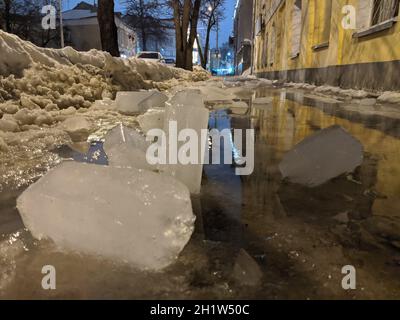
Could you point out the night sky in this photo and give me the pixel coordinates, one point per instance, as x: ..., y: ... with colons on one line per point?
x: 225, y: 27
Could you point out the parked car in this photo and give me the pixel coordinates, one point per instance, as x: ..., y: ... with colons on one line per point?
x: 151, y: 56
x: 170, y: 61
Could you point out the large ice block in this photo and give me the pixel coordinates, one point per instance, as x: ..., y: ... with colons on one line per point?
x: 188, y: 97
x: 130, y: 215
x: 134, y: 102
x: 321, y: 157
x: 126, y: 147
x: 185, y: 117
x: 152, y: 119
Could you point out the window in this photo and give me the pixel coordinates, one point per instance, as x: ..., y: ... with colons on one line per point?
x: 296, y: 28
x: 384, y: 10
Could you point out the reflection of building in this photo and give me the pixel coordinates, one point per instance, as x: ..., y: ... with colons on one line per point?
x: 83, y: 32
x: 242, y: 29
x: 314, y: 41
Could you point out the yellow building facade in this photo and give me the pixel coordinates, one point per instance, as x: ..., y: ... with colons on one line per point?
x: 347, y: 43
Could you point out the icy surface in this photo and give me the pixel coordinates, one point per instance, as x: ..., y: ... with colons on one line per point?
x: 128, y: 215
x: 134, y: 102
x: 125, y: 147
x: 152, y: 119
x: 188, y: 97
x: 321, y: 157
x: 186, y: 117
x: 215, y: 94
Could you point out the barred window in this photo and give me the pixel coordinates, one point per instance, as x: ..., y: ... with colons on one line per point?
x: 384, y: 10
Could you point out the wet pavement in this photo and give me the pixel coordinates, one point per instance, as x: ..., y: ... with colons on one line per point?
x: 297, y: 239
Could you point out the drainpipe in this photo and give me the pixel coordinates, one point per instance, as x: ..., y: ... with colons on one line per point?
x: 253, y: 36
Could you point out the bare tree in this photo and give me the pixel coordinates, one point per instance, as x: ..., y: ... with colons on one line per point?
x: 7, y: 15
x: 212, y: 12
x: 108, y: 29
x: 146, y: 16
x: 23, y: 18
x: 186, y: 16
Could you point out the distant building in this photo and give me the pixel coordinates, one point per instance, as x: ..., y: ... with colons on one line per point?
x: 242, y: 29
x: 83, y: 32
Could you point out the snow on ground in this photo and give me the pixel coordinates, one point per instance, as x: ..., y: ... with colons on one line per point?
x: 40, y: 88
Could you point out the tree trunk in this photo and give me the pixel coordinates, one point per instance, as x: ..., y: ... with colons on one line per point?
x: 108, y: 29
x: 7, y: 15
x: 184, y: 44
x: 207, y: 45
x: 200, y: 52
x: 144, y: 40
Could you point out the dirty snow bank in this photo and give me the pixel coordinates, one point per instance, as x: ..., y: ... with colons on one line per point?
x: 67, y: 77
x: 363, y: 97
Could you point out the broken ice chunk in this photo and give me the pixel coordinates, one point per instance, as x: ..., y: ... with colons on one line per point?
x: 215, y: 94
x: 130, y: 215
x: 187, y: 97
x: 321, y: 157
x: 125, y: 147
x: 156, y: 100
x: 77, y: 127
x: 152, y: 119
x: 134, y: 102
x: 196, y: 120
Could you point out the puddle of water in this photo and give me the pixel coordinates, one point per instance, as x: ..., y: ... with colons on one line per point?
x: 291, y: 232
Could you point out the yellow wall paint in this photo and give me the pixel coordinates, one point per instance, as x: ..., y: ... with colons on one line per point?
x: 343, y: 49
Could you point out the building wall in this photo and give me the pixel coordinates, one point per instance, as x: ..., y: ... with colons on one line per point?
x: 242, y: 32
x: 327, y: 53
x: 84, y: 34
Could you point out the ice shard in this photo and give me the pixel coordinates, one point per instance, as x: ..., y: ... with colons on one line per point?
x: 126, y: 147
x: 180, y: 118
x: 321, y: 157
x: 135, y: 102
x: 77, y: 127
x: 152, y: 119
x: 128, y: 215
x: 188, y: 97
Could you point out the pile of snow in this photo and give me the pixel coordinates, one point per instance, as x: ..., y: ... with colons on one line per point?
x: 38, y: 78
